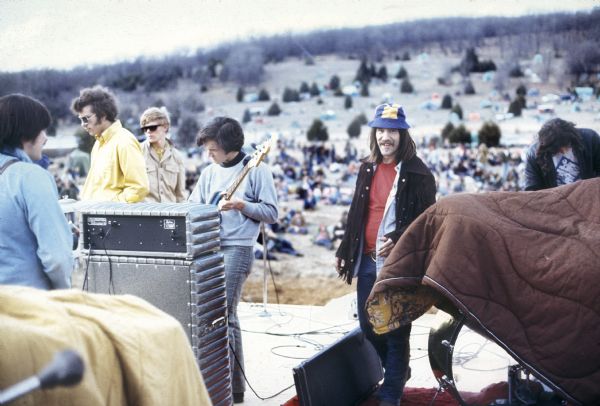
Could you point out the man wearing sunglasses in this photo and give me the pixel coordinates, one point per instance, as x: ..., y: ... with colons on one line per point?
x: 164, y: 164
x: 118, y: 170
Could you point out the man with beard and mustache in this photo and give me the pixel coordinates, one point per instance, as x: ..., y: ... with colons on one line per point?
x: 393, y: 187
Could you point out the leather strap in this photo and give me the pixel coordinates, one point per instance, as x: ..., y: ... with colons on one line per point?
x: 7, y: 164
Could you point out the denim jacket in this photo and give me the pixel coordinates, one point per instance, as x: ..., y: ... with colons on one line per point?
x: 35, y: 239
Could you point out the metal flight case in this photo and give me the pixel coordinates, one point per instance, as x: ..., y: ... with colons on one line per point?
x: 167, y: 254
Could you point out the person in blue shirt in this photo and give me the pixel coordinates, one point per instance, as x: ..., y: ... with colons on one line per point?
x: 35, y: 238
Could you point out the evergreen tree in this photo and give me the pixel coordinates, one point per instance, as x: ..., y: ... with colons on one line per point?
x: 447, y: 130
x: 382, y: 74
x: 458, y: 110
x: 348, y: 102
x: 362, y: 118
x: 372, y: 70
x: 317, y: 131
x: 186, y: 134
x: 240, y: 94
x: 314, y: 90
x: 334, y: 82
x: 406, y: 56
x: 460, y: 135
x: 290, y: 95
x: 247, y: 117
x: 363, y: 74
x: 354, y: 127
x: 364, y: 89
x: 515, y: 107
x: 469, y: 89
x: 447, y: 102
x: 516, y: 72
x: 402, y: 73
x: 469, y: 62
x: 304, y: 88
x: 274, y: 110
x: 406, y: 86
x: 489, y: 134
x: 263, y: 95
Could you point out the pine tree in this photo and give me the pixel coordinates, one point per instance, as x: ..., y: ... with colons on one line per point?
x: 314, y: 90
x: 364, y: 89
x: 274, y: 110
x: 247, y: 117
x: 382, y: 74
x: 354, y: 127
x: 447, y: 130
x: 240, y: 94
x: 406, y: 86
x: 263, y: 95
x: 458, y: 110
x: 469, y: 89
x: 515, y: 107
x: 348, y: 102
x: 317, y: 131
x: 447, y: 102
x: 489, y: 134
x: 334, y: 82
x: 460, y: 135
x: 402, y: 73
x: 363, y: 74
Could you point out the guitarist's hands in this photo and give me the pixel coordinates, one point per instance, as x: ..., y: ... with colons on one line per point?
x: 233, y: 204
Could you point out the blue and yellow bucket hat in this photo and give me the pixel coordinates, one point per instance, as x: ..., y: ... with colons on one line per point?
x: 389, y: 116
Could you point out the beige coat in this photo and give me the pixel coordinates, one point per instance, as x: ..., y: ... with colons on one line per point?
x: 166, y: 177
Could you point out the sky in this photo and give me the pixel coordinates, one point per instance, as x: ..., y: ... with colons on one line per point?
x: 38, y: 34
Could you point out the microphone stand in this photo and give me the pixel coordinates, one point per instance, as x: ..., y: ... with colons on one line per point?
x: 264, y: 313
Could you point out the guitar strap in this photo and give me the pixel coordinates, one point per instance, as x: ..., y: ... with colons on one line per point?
x: 7, y: 164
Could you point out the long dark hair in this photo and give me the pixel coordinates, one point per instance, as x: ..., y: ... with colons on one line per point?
x: 22, y: 118
x: 553, y: 136
x: 406, y: 150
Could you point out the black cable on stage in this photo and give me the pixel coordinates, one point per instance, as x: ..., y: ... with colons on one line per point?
x: 248, y: 382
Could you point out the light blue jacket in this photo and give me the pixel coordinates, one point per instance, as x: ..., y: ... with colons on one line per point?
x: 240, y: 228
x: 35, y: 238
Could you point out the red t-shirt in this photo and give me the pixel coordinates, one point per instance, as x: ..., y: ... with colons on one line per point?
x: 383, y: 180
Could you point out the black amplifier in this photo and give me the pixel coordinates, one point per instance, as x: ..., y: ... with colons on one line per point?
x: 167, y: 230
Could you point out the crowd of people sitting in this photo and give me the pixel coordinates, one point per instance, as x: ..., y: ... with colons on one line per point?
x: 318, y: 176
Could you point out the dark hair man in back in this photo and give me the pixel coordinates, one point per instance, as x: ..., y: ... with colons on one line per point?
x: 563, y: 154
x: 118, y: 171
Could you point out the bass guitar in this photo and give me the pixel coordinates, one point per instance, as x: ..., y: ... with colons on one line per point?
x: 255, y: 159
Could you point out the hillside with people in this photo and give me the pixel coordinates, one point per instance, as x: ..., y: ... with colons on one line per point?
x: 475, y: 92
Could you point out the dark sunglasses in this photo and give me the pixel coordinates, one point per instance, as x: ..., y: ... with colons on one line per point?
x: 86, y: 119
x: 150, y: 128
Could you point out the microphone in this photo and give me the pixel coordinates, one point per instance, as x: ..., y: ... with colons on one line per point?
x: 65, y: 369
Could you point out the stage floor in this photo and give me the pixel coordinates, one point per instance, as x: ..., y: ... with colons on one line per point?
x: 279, y: 337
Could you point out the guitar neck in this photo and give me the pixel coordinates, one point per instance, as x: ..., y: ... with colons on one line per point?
x: 231, y: 190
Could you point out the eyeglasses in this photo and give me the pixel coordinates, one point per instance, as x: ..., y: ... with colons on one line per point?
x: 86, y: 119
x: 150, y: 128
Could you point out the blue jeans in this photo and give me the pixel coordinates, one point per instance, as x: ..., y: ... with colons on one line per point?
x: 238, y: 263
x: 393, y: 348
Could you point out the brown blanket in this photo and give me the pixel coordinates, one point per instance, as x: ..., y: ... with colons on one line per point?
x: 524, y: 268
